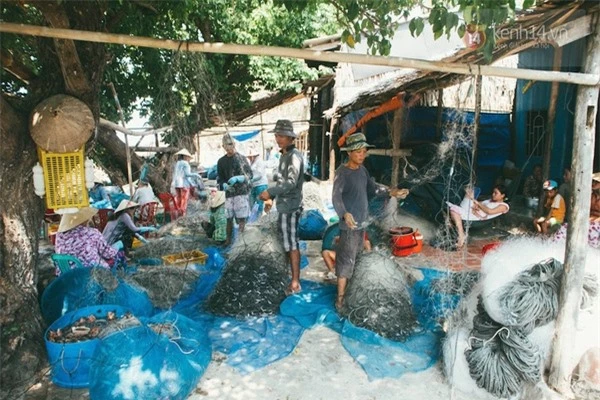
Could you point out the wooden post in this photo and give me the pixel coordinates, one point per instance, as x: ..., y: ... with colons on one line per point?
x: 440, y: 110
x: 127, y: 152
x: 549, y: 142
x: 562, y: 365
x: 396, y: 135
x: 332, y: 143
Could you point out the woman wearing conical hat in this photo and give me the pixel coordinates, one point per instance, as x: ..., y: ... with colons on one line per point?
x: 74, y: 237
x: 122, y: 228
x: 182, y: 180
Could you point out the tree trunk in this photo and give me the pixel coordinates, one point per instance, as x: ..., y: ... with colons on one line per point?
x: 157, y: 177
x: 21, y: 335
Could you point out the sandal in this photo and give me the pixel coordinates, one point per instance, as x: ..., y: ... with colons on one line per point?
x: 330, y: 276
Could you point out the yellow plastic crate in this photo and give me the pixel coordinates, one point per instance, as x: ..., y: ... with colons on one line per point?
x: 187, y: 257
x: 64, y: 177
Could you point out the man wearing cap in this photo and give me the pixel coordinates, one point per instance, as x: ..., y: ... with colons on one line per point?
x: 352, y: 188
x: 182, y: 180
x: 288, y: 194
x: 233, y: 176
x: 555, y: 207
x: 74, y: 237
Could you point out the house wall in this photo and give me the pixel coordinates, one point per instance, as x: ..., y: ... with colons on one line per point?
x: 531, y: 109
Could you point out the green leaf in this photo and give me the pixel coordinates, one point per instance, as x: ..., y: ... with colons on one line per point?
x: 419, y: 26
x: 437, y: 34
x: 468, y: 14
x: 527, y: 4
x: 461, y: 30
x: 451, y: 21
x: 353, y: 10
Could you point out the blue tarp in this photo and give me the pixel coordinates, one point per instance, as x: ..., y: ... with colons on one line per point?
x: 243, y: 136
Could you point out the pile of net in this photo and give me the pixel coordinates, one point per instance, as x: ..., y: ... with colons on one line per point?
x: 377, y: 297
x: 190, y: 224
x: 255, y: 275
x: 82, y: 287
x: 165, y: 285
x: 500, y: 337
x: 162, y: 357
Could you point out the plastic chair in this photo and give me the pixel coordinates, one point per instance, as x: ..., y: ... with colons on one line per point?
x: 148, y: 214
x: 101, y: 219
x: 65, y: 262
x: 169, y: 205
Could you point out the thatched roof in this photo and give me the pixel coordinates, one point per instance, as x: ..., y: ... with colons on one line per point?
x: 543, y: 18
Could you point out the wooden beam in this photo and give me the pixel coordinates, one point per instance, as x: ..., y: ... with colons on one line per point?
x: 390, y: 152
x: 122, y: 129
x: 586, y: 110
x: 571, y: 31
x: 590, y: 79
x: 396, y: 135
x: 157, y: 149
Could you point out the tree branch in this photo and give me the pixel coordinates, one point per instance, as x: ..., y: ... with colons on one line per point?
x: 74, y: 76
x: 15, y: 67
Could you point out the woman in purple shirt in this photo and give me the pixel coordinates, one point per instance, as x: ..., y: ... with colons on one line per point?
x: 122, y: 228
x: 74, y: 237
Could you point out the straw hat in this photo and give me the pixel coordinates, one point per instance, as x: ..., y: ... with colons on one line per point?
x: 125, y: 204
x: 284, y: 127
x: 70, y: 221
x: 61, y: 124
x: 183, y: 152
x: 596, y: 176
x: 356, y: 141
x: 217, y: 199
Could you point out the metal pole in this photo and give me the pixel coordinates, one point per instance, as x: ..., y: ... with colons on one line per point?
x: 127, y: 154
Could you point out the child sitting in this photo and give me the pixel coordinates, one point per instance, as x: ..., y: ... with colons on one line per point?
x: 217, y: 227
x: 555, y: 207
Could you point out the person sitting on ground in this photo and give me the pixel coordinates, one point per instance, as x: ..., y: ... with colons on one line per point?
x: 594, y: 228
x: 352, y: 188
x: 216, y: 228
x: 121, y: 226
x: 565, y: 189
x: 533, y: 183
x: 99, y: 196
x: 328, y: 252
x: 595, y: 200
x: 233, y: 177
x: 472, y: 209
x: 76, y: 238
x: 554, y: 207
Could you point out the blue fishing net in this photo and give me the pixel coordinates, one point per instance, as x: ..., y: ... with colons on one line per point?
x: 379, y: 357
x: 163, y: 358
x: 82, y: 287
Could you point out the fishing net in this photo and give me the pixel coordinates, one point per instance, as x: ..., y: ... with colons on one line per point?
x: 255, y: 276
x: 165, y: 357
x: 165, y: 285
x: 157, y: 248
x: 82, y: 287
x: 377, y: 297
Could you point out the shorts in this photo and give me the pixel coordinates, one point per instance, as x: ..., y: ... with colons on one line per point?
x: 350, y: 244
x: 237, y: 206
x: 287, y: 224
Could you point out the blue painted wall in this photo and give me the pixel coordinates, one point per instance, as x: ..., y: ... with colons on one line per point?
x: 537, y: 97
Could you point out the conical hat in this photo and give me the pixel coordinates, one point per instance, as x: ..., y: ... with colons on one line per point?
x: 217, y: 199
x: 183, y: 152
x: 125, y: 204
x: 61, y: 124
x: 70, y: 221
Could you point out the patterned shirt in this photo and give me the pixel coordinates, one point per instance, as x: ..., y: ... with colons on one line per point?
x: 219, y: 220
x: 87, y: 244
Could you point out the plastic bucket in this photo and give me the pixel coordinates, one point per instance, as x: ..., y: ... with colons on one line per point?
x: 70, y: 362
x: 405, y: 241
